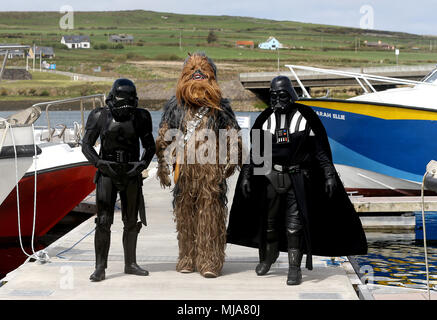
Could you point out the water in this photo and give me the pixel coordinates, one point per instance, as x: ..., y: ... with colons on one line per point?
x: 396, y: 260
x: 399, y: 259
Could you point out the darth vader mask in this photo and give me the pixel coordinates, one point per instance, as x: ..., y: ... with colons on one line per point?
x: 282, y: 94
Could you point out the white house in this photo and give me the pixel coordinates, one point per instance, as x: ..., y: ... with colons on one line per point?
x: 271, y: 44
x: 76, y: 42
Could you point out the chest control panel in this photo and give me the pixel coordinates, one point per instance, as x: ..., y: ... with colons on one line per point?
x: 282, y: 136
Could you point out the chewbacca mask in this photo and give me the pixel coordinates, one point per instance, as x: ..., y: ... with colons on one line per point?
x: 200, y: 191
x: 197, y: 86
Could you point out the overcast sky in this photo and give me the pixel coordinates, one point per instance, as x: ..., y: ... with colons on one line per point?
x: 418, y: 16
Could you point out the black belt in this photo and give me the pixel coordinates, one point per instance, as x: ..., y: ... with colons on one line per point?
x: 288, y: 169
x: 120, y: 157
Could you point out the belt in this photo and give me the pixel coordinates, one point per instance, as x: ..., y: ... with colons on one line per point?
x: 120, y: 157
x: 288, y: 169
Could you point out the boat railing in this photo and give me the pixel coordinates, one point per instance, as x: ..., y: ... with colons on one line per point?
x: 96, y: 100
x: 362, y: 79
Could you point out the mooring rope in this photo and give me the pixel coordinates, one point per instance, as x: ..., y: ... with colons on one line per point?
x: 41, y: 255
x: 424, y: 235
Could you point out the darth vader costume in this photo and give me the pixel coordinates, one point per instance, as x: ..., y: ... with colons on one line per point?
x: 299, y: 205
x: 121, y: 126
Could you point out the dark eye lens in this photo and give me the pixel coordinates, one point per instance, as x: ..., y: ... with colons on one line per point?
x: 283, y: 95
x: 274, y: 96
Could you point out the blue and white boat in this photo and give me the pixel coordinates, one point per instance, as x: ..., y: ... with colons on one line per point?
x: 381, y: 141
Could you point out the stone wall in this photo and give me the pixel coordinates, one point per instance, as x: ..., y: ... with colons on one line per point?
x: 16, y: 74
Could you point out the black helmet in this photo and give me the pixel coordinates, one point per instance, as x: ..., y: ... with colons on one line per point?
x: 282, y: 94
x: 122, y: 99
x: 283, y: 83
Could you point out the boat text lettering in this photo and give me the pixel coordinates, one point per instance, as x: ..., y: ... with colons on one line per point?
x: 331, y: 115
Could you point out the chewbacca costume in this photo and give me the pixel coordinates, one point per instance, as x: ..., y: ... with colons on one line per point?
x: 200, y: 189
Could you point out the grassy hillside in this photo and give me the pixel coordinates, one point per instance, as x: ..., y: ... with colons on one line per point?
x: 162, y: 41
x: 158, y: 37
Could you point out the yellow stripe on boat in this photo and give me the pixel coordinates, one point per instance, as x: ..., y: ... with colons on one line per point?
x: 371, y: 110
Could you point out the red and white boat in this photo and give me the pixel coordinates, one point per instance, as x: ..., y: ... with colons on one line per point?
x: 64, y: 177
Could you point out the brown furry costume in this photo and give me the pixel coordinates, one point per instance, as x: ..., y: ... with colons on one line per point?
x: 200, y: 191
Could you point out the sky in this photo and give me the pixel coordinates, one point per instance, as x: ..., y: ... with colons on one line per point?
x: 418, y: 16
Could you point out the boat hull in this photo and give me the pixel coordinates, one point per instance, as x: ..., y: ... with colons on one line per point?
x: 378, y: 149
x: 59, y: 190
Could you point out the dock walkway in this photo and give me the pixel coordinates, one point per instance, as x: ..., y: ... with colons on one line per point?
x: 67, y: 275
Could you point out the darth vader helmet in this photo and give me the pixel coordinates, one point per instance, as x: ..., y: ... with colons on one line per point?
x: 282, y: 94
x: 122, y: 99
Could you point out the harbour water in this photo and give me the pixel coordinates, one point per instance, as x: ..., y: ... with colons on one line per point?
x: 394, y: 260
x: 399, y: 259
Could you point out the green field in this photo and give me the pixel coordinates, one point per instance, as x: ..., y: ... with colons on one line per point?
x: 158, y: 37
x: 161, y: 38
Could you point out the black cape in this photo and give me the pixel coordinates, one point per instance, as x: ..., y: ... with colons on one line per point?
x: 331, y: 225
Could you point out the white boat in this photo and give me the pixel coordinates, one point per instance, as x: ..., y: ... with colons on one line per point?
x: 64, y: 178
x: 17, y: 149
x: 421, y: 95
x: 381, y: 141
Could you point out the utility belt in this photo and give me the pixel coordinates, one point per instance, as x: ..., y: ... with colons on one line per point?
x: 289, y: 169
x: 280, y: 176
x: 120, y: 157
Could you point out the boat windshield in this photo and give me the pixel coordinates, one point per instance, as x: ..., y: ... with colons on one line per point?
x: 432, y: 77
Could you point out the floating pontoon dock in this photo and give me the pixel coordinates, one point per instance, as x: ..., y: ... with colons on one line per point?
x: 66, y: 276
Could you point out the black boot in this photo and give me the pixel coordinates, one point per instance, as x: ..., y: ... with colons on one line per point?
x: 294, y: 272
x: 130, y: 256
x: 269, y: 257
x: 294, y: 239
x: 102, y: 241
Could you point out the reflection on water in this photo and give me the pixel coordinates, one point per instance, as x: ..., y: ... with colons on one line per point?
x: 399, y: 260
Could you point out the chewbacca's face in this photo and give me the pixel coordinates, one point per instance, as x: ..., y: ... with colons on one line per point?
x: 197, y: 85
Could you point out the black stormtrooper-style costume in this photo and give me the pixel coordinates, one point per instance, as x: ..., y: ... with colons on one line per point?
x: 121, y: 126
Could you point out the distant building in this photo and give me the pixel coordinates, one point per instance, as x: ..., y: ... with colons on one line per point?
x: 76, y: 42
x: 46, y: 52
x: 379, y: 45
x: 271, y: 44
x: 12, y: 53
x: 242, y: 44
x: 122, y: 38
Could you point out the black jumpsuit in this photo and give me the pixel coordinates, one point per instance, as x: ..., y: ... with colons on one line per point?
x: 119, y: 143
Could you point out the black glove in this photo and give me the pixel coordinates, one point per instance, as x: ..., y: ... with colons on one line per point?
x: 137, y: 169
x: 245, y: 187
x: 105, y: 168
x: 245, y: 182
x: 330, y: 185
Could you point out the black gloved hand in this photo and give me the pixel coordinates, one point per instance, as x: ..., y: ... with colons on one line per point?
x: 245, y: 182
x: 245, y: 187
x: 330, y: 185
x: 139, y: 166
x: 105, y: 168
